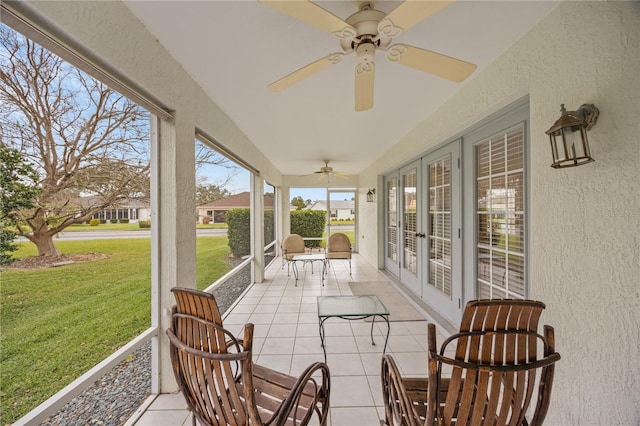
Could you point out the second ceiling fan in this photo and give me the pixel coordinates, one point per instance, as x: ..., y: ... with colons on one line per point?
x: 366, y: 32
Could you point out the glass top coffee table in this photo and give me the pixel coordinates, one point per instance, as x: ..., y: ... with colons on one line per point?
x: 351, y: 308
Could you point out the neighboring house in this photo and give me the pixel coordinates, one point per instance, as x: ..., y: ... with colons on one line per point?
x: 340, y: 209
x: 217, y: 210
x: 131, y: 209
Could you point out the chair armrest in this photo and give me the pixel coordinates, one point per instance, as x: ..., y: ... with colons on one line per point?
x: 397, y: 394
x: 307, y: 394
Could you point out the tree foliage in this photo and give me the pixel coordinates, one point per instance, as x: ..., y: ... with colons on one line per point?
x: 207, y: 192
x: 82, y: 138
x: 300, y: 203
x: 18, y: 189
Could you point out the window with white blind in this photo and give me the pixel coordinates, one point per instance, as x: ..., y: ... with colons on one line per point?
x: 440, y: 229
x: 392, y: 220
x: 500, y: 215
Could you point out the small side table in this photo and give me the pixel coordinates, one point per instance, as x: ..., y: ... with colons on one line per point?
x: 351, y: 308
x: 304, y: 258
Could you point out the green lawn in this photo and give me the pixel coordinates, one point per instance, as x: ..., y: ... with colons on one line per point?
x: 130, y: 227
x: 58, y: 323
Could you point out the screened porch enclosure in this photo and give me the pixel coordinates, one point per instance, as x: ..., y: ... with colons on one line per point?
x: 466, y: 203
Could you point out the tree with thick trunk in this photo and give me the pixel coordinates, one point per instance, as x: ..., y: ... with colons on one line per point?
x: 88, y: 143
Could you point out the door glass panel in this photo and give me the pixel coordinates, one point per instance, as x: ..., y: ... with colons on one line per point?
x: 440, y: 231
x: 392, y: 220
x: 500, y: 217
x: 410, y: 225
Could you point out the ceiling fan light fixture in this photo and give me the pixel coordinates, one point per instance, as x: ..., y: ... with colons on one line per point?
x: 365, y: 53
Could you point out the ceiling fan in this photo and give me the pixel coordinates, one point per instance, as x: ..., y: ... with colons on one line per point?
x: 366, y: 32
x: 327, y: 171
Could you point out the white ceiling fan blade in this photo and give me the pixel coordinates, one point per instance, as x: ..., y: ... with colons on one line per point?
x: 431, y: 62
x: 408, y: 14
x: 306, y: 71
x: 313, y: 14
x: 364, y: 86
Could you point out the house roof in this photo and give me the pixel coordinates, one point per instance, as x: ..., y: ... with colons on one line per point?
x: 95, y: 200
x: 237, y: 201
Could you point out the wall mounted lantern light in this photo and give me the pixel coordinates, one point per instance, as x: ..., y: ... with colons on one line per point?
x: 371, y: 195
x: 568, y: 136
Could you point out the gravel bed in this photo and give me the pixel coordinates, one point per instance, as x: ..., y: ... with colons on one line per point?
x: 114, y: 398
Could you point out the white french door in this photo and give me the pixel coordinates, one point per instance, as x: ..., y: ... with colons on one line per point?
x: 391, y: 229
x: 442, y: 283
x: 447, y: 255
x: 410, y: 224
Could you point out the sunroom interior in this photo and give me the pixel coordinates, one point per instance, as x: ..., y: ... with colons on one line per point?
x: 202, y: 70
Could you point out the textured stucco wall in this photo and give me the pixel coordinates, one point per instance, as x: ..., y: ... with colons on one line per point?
x: 585, y: 221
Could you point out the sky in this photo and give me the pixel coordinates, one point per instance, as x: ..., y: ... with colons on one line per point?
x: 241, y: 182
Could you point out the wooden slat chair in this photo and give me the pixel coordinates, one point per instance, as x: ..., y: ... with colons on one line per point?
x: 339, y: 247
x: 493, y: 373
x: 221, y: 384
x: 292, y: 245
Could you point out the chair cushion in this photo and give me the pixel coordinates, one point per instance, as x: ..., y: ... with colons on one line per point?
x: 339, y: 255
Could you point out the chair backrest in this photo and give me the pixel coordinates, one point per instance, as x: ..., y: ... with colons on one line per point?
x: 495, y: 368
x: 338, y: 242
x: 293, y: 243
x: 213, y: 370
x: 198, y: 303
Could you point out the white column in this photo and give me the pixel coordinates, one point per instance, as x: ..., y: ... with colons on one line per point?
x: 173, y: 235
x: 257, y: 214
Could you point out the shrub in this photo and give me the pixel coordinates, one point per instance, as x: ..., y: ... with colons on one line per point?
x: 103, y: 220
x: 94, y: 222
x: 144, y: 223
x: 269, y: 232
x: 206, y: 220
x: 239, y: 231
x: 310, y: 224
x: 7, y: 246
x: 124, y: 220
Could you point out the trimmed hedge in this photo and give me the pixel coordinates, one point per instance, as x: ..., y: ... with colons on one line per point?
x: 269, y: 232
x: 94, y: 222
x: 310, y: 224
x: 239, y: 231
x: 144, y: 223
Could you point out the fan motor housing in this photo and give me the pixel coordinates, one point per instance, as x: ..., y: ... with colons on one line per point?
x: 366, y: 24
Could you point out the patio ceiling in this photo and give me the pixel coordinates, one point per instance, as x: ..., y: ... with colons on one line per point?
x: 234, y: 49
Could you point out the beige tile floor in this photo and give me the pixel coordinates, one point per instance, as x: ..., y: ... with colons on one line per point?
x: 287, y: 339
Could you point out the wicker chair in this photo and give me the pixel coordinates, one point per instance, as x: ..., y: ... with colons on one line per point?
x: 493, y: 374
x: 221, y: 384
x: 292, y: 245
x: 339, y: 247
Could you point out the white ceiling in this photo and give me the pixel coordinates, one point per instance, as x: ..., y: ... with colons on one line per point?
x: 234, y: 49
